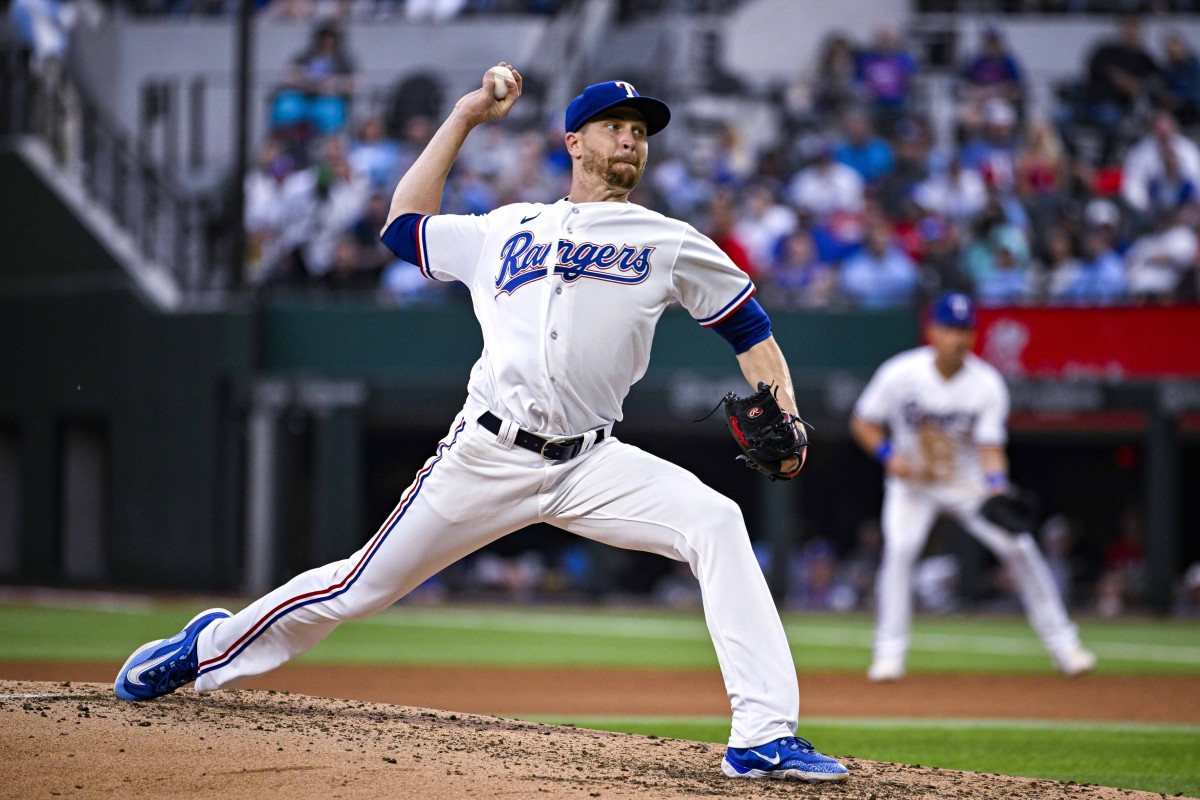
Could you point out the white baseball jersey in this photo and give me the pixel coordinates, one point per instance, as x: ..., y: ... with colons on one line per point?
x: 938, y: 423
x: 530, y: 265
x: 567, y: 296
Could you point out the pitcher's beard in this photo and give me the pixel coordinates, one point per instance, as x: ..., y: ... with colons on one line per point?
x: 613, y: 175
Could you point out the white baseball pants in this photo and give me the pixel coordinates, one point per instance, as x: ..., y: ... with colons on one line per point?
x: 474, y: 491
x: 908, y: 515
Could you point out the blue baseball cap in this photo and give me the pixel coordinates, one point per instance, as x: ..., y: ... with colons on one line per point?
x: 954, y: 310
x: 600, y: 97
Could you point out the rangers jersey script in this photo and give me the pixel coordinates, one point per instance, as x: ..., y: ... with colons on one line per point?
x: 935, y: 422
x: 529, y: 266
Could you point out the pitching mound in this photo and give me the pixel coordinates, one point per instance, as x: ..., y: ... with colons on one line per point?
x: 77, y: 740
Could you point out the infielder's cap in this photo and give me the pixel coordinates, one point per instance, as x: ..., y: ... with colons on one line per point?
x: 600, y: 97
x: 954, y: 310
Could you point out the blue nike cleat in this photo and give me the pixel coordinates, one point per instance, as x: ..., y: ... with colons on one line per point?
x: 789, y: 757
x: 160, y: 667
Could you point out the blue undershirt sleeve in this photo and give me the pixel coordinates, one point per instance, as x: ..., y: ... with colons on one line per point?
x: 745, y: 327
x: 401, y: 237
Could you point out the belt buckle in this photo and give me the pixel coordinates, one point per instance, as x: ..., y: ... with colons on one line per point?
x: 555, y: 440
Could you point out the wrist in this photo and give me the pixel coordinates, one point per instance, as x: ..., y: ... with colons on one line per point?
x: 463, y: 119
x: 883, y: 451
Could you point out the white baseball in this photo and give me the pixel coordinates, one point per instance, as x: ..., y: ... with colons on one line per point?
x: 500, y: 90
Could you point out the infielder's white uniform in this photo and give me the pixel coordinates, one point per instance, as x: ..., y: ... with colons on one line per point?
x: 939, y: 425
x: 567, y: 296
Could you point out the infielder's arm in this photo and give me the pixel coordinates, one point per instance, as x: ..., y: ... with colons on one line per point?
x: 420, y: 190
x: 995, y: 467
x: 868, y: 435
x: 871, y: 437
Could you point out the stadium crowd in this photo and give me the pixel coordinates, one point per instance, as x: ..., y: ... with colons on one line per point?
x: 857, y: 205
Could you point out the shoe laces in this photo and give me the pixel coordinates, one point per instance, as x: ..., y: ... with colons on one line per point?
x: 797, y: 743
x: 176, y: 672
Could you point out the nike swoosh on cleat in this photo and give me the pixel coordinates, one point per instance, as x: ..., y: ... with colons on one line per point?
x: 770, y: 761
x: 135, y: 675
x: 526, y: 219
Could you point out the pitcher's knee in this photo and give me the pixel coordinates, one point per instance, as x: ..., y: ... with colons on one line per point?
x: 717, y: 517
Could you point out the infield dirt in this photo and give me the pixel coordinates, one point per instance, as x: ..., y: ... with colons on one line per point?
x: 526, y: 691
x: 71, y: 739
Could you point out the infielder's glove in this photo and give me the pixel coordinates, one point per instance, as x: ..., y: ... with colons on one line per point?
x: 1015, y: 510
x: 767, y: 434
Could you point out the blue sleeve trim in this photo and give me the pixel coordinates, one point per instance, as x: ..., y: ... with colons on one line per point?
x: 745, y: 327
x: 401, y: 237
x: 730, y: 307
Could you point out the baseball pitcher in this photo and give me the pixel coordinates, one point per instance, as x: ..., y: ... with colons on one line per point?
x: 567, y: 295
x: 936, y: 418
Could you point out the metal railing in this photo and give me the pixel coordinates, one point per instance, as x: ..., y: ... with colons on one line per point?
x: 172, y: 232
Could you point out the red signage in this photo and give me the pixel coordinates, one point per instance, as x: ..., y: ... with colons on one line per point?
x: 1102, y: 343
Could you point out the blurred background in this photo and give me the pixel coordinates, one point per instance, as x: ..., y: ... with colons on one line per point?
x: 213, y: 376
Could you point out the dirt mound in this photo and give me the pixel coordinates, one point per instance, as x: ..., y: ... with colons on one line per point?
x: 76, y: 740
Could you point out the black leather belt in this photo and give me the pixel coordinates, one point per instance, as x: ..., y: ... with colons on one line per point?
x: 558, y: 448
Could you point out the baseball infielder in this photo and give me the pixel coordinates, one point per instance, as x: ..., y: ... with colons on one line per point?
x: 936, y: 418
x: 568, y: 295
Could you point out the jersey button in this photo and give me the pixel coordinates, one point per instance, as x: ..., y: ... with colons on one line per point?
x: 558, y: 290
x: 553, y: 334
x: 574, y: 210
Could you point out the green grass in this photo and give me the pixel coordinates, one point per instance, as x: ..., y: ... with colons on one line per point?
x: 610, y: 638
x: 1160, y: 758
x: 1153, y: 758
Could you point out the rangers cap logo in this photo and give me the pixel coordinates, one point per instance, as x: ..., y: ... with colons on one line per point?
x: 600, y: 97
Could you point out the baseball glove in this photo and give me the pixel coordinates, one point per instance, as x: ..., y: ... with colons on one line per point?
x: 767, y: 434
x: 1015, y: 510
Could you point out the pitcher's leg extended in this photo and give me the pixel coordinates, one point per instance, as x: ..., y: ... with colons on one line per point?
x: 627, y: 498
x: 416, y: 541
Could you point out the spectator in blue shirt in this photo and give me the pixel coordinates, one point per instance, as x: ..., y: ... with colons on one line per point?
x: 1000, y: 266
x: 1099, y: 278
x: 885, y: 72
x: 862, y: 150
x: 994, y: 73
x: 881, y: 274
x: 376, y: 157
x: 799, y: 278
